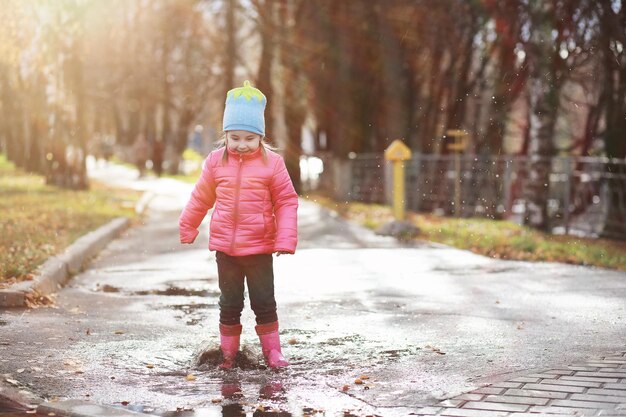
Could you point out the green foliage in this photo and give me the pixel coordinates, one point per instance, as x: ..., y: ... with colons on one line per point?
x: 39, y: 221
x: 192, y: 155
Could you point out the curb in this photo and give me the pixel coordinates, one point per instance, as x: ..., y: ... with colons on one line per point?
x: 56, y: 271
x: 14, y: 398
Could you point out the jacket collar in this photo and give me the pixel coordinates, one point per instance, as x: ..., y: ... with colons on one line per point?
x: 244, y: 156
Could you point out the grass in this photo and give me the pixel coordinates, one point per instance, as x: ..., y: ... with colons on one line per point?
x: 493, y: 238
x: 39, y: 221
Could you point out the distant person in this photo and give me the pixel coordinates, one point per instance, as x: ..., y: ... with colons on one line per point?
x: 104, y: 148
x: 141, y: 148
x: 255, y: 216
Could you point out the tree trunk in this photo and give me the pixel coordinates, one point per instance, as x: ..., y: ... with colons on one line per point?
x: 509, y: 79
x: 544, y: 102
x: 435, y: 99
x: 230, y: 53
x: 293, y: 93
x: 614, y: 32
x: 80, y: 180
x: 395, y: 100
x: 264, y: 76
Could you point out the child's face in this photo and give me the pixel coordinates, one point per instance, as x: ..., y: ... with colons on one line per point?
x: 241, y: 141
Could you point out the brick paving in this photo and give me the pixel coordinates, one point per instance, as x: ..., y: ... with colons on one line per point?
x: 593, y: 388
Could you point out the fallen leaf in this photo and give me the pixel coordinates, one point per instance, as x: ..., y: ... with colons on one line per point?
x: 364, y: 377
x: 124, y: 402
x: 292, y: 341
x: 358, y: 381
x: 149, y: 366
x: 345, y: 388
x: 191, y: 377
x: 119, y: 332
x: 88, y: 332
x: 216, y: 400
x: 435, y: 349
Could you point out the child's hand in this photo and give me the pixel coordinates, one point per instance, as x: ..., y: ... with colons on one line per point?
x: 282, y: 252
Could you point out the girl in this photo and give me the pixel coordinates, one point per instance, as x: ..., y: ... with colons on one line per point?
x: 255, y: 216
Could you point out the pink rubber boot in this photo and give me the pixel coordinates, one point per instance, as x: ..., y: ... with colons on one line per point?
x: 229, y: 343
x: 270, y: 344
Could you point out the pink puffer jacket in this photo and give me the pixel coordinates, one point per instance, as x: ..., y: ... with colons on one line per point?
x: 255, y: 204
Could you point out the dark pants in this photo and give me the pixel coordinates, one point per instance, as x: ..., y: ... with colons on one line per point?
x: 258, y: 271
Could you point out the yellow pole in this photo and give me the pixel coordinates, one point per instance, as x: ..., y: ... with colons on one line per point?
x: 457, y: 147
x: 398, y: 190
x: 398, y: 152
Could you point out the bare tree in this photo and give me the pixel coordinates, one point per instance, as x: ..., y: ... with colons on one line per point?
x: 613, y: 43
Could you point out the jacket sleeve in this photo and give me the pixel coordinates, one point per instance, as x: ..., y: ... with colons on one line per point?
x: 285, y: 202
x: 201, y: 200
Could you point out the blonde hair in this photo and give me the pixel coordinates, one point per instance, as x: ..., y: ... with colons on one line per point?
x: 264, y: 144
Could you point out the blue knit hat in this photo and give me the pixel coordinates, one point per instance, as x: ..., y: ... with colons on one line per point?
x: 244, y: 109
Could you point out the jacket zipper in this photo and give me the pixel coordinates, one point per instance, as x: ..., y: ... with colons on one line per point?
x: 236, y: 208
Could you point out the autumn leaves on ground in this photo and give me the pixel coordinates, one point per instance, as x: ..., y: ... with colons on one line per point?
x: 39, y: 221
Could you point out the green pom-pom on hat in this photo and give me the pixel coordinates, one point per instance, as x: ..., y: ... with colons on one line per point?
x: 247, y: 91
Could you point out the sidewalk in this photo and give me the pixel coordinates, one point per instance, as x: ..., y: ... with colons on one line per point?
x: 426, y: 330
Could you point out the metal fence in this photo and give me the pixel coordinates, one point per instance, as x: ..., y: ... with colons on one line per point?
x: 587, y: 195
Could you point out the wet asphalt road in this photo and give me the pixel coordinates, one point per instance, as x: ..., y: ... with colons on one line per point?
x: 415, y: 325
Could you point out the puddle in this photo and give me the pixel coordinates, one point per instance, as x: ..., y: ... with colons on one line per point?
x: 169, y: 291
x: 107, y: 288
x: 192, y: 312
x: 229, y: 410
x: 178, y: 291
x: 478, y: 269
x: 210, y: 357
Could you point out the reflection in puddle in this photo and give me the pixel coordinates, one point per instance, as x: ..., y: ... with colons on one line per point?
x: 270, y: 403
x: 192, y: 312
x: 169, y: 291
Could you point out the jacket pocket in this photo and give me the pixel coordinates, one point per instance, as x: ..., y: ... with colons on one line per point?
x: 270, y: 225
x: 213, y: 222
